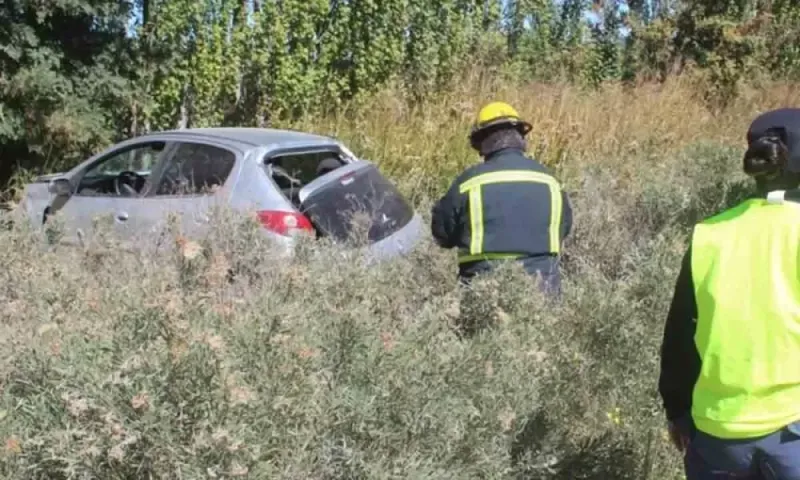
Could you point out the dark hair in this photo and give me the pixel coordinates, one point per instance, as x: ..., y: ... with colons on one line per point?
x: 497, y: 138
x: 767, y: 156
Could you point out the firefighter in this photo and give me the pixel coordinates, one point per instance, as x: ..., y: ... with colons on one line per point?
x: 508, y: 207
x: 730, y: 356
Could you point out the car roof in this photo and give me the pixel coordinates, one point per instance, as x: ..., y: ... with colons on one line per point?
x: 252, y: 136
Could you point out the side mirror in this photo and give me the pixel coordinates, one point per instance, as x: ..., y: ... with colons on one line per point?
x: 60, y: 187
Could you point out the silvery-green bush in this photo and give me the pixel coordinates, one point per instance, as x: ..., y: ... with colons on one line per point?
x: 216, y: 358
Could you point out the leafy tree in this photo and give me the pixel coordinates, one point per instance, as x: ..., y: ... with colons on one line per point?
x: 78, y: 74
x: 65, y: 89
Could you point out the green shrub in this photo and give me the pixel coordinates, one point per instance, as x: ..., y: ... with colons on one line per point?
x: 140, y: 365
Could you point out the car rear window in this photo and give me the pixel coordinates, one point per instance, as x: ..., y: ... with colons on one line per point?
x: 364, y: 193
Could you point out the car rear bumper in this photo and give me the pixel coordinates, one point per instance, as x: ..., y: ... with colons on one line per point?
x: 398, y: 244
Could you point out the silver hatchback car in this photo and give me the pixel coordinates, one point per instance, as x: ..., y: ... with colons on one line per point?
x: 295, y: 183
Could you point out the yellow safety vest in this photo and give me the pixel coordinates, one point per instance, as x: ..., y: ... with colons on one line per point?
x: 746, y: 272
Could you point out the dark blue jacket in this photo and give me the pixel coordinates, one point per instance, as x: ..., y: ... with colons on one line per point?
x: 509, y: 206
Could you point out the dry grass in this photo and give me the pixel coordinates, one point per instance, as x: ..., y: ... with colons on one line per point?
x: 572, y: 127
x: 155, y: 366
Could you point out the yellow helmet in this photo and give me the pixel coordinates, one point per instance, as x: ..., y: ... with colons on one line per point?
x: 498, y: 113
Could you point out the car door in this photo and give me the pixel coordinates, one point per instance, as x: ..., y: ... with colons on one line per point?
x: 194, y: 179
x: 355, y: 202
x: 99, y: 192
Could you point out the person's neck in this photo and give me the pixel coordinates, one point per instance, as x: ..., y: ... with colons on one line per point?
x: 776, y: 185
x: 496, y: 153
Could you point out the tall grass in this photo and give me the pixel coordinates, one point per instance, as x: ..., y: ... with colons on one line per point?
x: 126, y: 365
x: 573, y: 127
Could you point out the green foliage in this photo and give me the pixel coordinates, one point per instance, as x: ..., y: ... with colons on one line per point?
x: 64, y: 80
x: 781, y: 31
x: 74, y: 76
x: 721, y: 46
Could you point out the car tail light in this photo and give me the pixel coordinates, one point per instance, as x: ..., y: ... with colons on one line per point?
x: 285, y: 223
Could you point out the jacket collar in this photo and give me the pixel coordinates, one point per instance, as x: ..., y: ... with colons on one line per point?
x: 783, y: 196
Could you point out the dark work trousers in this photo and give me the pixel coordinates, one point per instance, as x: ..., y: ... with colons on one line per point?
x: 773, y: 457
x: 479, y: 307
x: 545, y: 267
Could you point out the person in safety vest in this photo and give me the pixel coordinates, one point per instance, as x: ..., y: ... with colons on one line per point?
x: 507, y: 207
x: 730, y: 357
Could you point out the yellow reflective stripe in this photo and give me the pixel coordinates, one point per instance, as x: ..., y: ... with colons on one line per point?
x: 555, y: 218
x: 488, y: 256
x: 476, y: 220
x: 506, y: 176
x: 473, y: 186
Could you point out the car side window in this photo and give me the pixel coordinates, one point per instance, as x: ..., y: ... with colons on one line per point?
x: 196, y: 168
x: 123, y: 173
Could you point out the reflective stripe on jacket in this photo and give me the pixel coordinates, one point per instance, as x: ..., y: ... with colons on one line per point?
x: 507, y: 207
